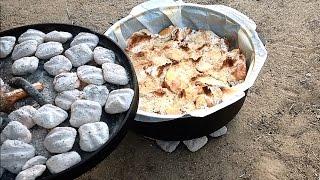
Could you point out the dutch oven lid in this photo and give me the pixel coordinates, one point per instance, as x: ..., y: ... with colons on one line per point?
x: 118, y: 123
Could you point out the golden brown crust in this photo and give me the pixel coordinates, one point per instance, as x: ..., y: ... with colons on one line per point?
x: 181, y: 70
x: 138, y: 38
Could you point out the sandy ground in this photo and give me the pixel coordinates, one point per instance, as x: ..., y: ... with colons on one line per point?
x: 276, y: 135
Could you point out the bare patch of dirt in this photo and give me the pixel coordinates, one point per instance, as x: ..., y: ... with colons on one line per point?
x: 276, y: 135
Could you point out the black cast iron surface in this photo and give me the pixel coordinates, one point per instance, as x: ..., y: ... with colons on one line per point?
x: 118, y: 123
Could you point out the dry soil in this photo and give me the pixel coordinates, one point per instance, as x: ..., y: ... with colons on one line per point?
x: 276, y: 135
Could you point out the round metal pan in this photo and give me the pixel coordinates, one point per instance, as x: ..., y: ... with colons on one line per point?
x: 226, y: 22
x: 118, y: 123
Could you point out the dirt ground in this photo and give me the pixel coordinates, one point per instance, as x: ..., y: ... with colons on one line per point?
x: 276, y: 135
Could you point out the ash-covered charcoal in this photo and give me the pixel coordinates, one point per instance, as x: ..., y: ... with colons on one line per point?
x: 57, y: 64
x: 48, y: 92
x: 37, y: 160
x: 93, y: 136
x: 90, y: 74
x: 60, y: 139
x: 103, y: 55
x: 119, y: 101
x: 48, y: 50
x: 195, y: 144
x: 96, y: 93
x: 50, y: 116
x: 79, y: 55
x: 168, y: 146
x: 25, y: 65
x: 38, y: 136
x: 24, y: 49
x: 24, y: 115
x: 29, y: 89
x: 219, y: 132
x: 62, y: 161
x: 66, y: 81
x: 32, y: 34
x: 31, y: 173
x: 14, y: 154
x: 6, y: 45
x: 115, y: 74
x: 66, y: 98
x: 16, y: 131
x: 46, y: 139
x: 85, y: 111
x: 2, y: 85
x: 89, y: 39
x: 58, y: 36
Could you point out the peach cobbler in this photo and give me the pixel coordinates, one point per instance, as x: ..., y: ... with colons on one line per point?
x: 180, y: 70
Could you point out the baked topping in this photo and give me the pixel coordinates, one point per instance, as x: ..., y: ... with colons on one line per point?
x: 180, y: 70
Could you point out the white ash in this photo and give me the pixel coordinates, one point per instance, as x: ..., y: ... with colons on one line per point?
x: 66, y: 81
x: 66, y: 98
x: 24, y: 115
x: 6, y: 45
x: 57, y: 64
x: 32, y: 34
x: 31, y: 173
x: 90, y: 74
x: 50, y: 116
x: 119, y: 101
x: 28, y: 100
x: 24, y: 49
x: 16, y: 131
x: 48, y: 50
x: 219, y: 132
x: 103, y: 55
x: 60, y: 139
x: 2, y: 85
x: 79, y: 55
x: 58, y: 36
x: 96, y: 93
x: 62, y: 161
x: 84, y: 111
x: 89, y: 39
x: 115, y: 74
x: 14, y: 154
x: 48, y: 92
x: 37, y: 160
x: 25, y: 65
x: 168, y: 146
x: 93, y: 136
x: 38, y: 136
x: 195, y: 144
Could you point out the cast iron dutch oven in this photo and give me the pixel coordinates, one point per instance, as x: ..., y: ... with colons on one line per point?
x: 118, y: 123
x: 163, y: 127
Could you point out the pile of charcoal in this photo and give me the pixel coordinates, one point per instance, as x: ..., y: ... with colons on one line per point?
x: 80, y: 74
